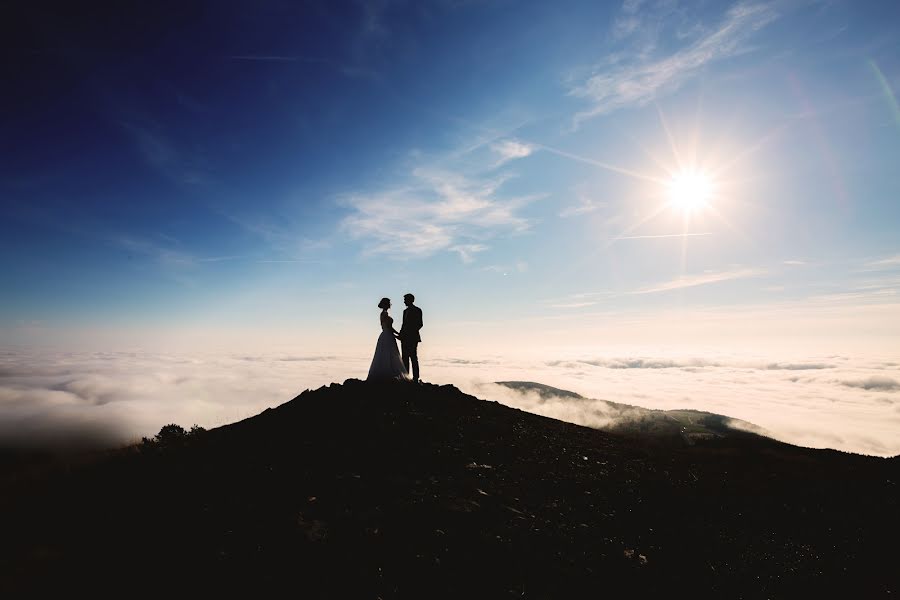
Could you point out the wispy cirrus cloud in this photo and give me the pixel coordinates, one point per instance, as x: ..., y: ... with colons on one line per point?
x: 701, y: 279
x: 890, y: 262
x: 348, y: 70
x: 280, y: 58
x: 628, y: 21
x: 286, y: 237
x: 164, y: 255
x: 467, y: 251
x: 572, y: 304
x: 519, y: 267
x: 585, y: 205
x: 508, y: 150
x: 640, y: 72
x: 163, y: 155
x: 686, y: 281
x: 437, y: 211
x: 663, y: 235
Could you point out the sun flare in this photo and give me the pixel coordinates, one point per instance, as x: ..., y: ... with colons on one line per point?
x: 689, y: 190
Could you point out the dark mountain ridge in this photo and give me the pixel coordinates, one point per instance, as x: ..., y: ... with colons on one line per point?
x: 420, y: 491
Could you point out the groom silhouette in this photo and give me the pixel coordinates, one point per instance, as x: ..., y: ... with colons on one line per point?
x: 409, y: 335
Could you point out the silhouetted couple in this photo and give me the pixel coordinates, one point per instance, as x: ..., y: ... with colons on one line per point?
x: 387, y: 363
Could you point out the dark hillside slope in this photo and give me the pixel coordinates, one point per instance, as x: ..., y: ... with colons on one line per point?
x: 405, y: 491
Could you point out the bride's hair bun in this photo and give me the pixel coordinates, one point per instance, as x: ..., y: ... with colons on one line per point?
x: 385, y: 302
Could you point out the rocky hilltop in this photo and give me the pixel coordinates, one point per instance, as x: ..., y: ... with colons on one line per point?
x: 420, y: 491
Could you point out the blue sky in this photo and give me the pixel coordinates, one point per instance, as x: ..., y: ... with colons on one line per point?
x: 223, y: 172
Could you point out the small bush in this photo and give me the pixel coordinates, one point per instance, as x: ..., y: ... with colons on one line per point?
x: 172, y: 433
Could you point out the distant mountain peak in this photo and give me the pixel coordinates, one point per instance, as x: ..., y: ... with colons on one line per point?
x: 544, y: 391
x: 678, y: 427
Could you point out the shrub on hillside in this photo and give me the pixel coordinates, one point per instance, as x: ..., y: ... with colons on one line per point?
x: 172, y: 433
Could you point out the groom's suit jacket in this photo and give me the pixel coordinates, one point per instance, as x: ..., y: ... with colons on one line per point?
x: 412, y: 323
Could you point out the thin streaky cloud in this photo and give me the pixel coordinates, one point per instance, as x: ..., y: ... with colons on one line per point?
x: 579, y: 299
x: 884, y: 263
x: 702, y: 279
x: 614, y: 85
x: 665, y: 235
x: 510, y: 150
x: 573, y: 305
x: 601, y: 164
x: 166, y: 255
x: 875, y: 295
x: 585, y: 206
x: 592, y: 295
x: 220, y: 258
x: 291, y: 261
x: 878, y: 282
x: 467, y: 252
x: 628, y: 21
x: 275, y: 58
x: 160, y: 152
x: 649, y: 217
x: 486, y: 136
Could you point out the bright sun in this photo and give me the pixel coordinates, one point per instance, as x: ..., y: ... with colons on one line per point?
x: 689, y: 191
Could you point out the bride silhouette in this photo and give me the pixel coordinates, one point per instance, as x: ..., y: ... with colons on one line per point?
x: 386, y: 363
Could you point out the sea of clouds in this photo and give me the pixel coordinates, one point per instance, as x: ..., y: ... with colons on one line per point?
x: 70, y: 399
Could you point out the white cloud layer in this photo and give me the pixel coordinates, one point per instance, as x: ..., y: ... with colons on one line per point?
x: 102, y: 397
x: 843, y: 402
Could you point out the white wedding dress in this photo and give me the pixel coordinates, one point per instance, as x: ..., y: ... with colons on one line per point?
x: 386, y: 363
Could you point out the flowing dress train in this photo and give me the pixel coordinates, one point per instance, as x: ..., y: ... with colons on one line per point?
x: 386, y: 364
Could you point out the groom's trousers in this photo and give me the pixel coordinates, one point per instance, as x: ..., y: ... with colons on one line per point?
x: 410, y: 351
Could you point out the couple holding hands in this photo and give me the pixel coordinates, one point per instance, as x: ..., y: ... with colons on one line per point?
x: 387, y: 363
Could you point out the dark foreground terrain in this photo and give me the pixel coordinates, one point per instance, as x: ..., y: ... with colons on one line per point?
x: 402, y: 491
